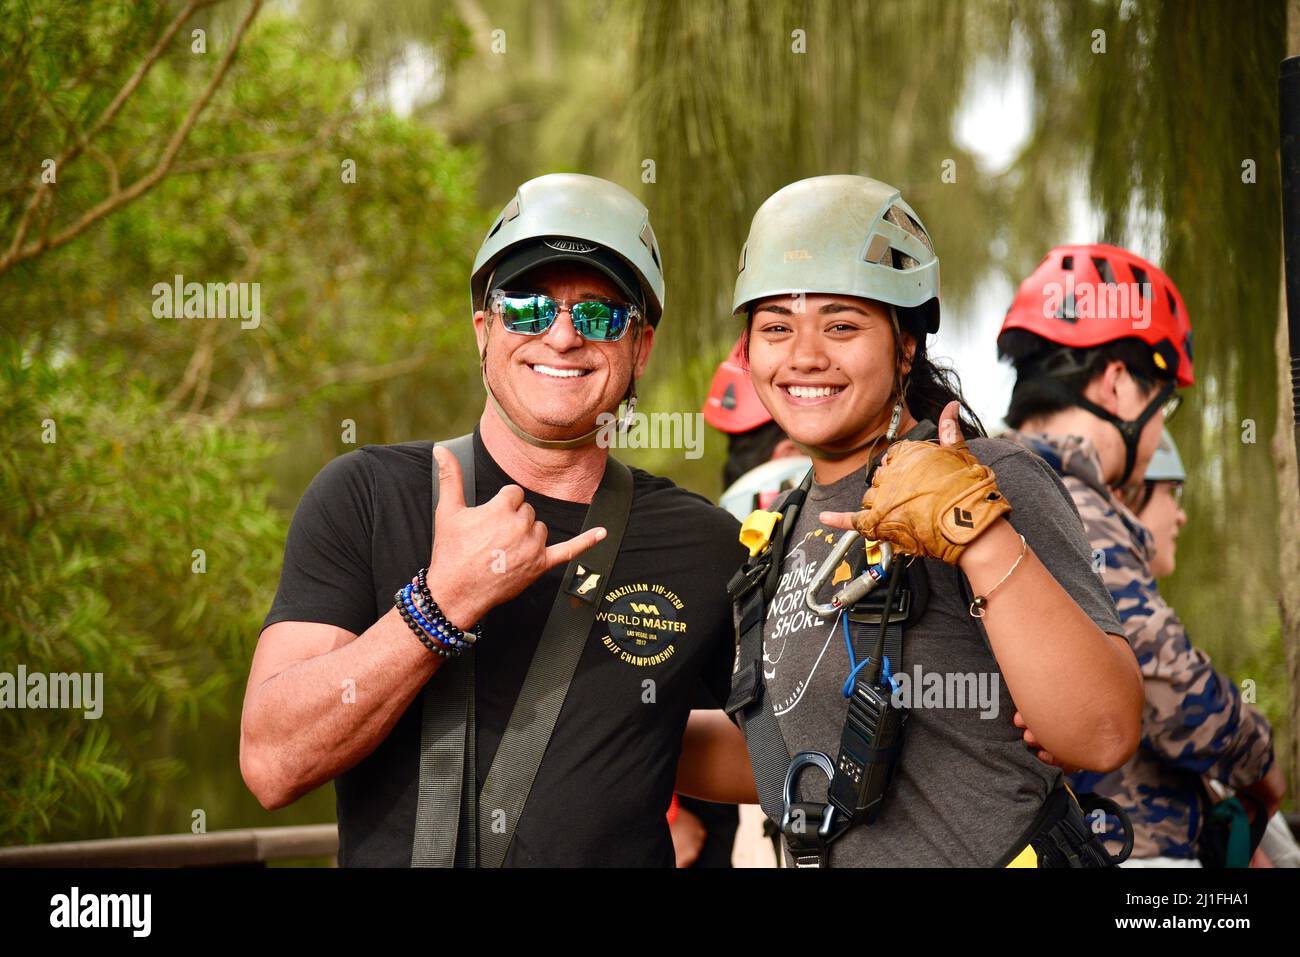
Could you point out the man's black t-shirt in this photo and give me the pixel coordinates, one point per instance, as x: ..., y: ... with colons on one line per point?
x: 363, y: 528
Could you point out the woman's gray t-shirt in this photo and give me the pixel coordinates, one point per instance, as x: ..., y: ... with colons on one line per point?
x: 967, y: 788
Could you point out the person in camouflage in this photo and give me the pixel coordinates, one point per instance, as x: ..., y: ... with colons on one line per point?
x: 1093, y: 389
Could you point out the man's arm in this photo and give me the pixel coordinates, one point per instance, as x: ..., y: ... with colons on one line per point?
x: 714, y: 765
x: 320, y: 698
x: 303, y: 723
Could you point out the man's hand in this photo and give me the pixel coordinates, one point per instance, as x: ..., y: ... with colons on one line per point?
x: 486, y: 555
x: 688, y: 837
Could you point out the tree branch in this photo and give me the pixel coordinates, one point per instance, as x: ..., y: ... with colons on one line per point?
x: 116, y: 200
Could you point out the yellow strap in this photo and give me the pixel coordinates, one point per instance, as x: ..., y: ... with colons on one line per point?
x: 1026, y: 858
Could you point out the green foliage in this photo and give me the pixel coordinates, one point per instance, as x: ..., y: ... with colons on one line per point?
x: 173, y: 431
x: 95, y: 576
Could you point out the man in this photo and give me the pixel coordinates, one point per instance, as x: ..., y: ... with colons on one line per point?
x: 1100, y: 341
x: 348, y: 684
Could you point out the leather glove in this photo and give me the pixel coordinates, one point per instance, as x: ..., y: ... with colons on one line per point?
x: 930, y: 500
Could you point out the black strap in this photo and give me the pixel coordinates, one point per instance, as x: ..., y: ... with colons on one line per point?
x: 447, y: 772
x: 768, y: 754
x: 751, y: 589
x: 449, y: 802
x: 519, y: 755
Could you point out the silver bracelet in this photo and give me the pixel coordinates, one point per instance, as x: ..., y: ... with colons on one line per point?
x: 981, y: 601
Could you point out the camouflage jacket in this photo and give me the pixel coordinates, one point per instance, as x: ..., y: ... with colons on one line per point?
x: 1195, y: 723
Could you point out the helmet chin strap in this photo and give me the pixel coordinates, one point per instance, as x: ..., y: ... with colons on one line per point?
x: 1130, y: 430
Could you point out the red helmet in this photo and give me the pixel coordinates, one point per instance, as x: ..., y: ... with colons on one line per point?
x: 733, y: 405
x: 1088, y: 295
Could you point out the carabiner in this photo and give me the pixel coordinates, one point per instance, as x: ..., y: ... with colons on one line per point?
x: 809, y: 846
x: 854, y: 589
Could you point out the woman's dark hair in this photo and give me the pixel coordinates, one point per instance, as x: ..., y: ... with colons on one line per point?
x: 1048, y: 374
x: 927, y: 388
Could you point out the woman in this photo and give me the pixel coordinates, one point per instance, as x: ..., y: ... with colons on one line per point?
x: 839, y: 285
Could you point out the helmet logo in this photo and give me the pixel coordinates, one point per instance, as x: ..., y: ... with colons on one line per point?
x: 571, y: 246
x: 797, y: 256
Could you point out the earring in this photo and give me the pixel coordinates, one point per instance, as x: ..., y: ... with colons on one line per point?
x: 894, y: 421
x: 626, y: 421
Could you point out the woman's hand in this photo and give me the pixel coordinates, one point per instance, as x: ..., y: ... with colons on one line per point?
x: 926, y: 499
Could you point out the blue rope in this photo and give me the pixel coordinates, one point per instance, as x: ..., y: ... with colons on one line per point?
x: 886, y: 674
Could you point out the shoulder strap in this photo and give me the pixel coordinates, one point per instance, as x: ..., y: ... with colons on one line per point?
x: 751, y: 589
x: 510, y: 779
x: 447, y: 772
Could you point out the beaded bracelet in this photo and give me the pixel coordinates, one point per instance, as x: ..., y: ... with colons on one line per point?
x: 469, y: 637
x: 437, y: 648
x: 434, y: 625
x: 432, y: 618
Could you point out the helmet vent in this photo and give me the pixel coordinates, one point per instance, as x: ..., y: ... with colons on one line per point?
x: 1067, y: 262
x: 1068, y: 311
x: 1173, y: 303
x: 1103, y: 268
x: 648, y: 240
x: 1140, y: 277
x: 877, y: 250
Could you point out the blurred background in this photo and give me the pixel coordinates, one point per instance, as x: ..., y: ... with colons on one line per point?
x: 214, y: 140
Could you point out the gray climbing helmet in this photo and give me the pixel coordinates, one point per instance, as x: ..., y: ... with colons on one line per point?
x: 1166, y: 464
x: 569, y: 213
x: 843, y: 235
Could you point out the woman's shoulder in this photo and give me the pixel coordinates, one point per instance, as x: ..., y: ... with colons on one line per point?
x: 1021, y: 475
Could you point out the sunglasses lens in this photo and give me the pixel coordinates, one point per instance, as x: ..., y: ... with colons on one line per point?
x: 528, y: 315
x: 601, y: 321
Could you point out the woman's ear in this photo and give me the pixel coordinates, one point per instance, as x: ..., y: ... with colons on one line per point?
x: 909, y: 352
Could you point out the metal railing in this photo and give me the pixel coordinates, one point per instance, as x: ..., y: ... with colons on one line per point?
x: 255, y: 846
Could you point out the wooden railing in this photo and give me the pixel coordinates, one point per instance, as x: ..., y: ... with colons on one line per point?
x: 249, y: 847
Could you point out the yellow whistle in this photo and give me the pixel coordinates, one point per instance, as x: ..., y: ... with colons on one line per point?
x: 756, y: 530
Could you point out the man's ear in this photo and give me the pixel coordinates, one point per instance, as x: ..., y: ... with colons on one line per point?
x: 1104, y: 388
x: 643, y: 349
x: 480, y: 330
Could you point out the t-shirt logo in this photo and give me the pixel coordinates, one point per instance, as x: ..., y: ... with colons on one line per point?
x: 645, y: 622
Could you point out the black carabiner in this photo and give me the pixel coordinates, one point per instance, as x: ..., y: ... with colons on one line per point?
x: 809, y: 848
